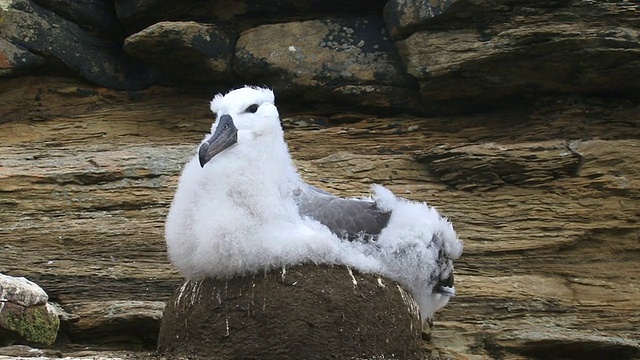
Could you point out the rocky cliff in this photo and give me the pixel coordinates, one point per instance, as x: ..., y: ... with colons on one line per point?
x: 517, y: 119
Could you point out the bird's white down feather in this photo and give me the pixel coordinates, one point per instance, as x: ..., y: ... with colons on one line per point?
x: 236, y: 215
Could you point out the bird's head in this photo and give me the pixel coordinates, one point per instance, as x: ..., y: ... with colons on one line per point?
x: 242, y: 115
x: 449, y: 248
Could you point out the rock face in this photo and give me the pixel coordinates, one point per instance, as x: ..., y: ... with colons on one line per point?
x: 203, y: 51
x: 317, y: 56
x: 307, y: 312
x: 418, y: 56
x: 130, y: 322
x: 517, y: 119
x: 468, y: 51
x: 25, y: 314
x: 60, y: 46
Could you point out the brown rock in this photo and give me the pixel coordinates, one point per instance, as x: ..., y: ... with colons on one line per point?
x: 307, y: 312
x: 489, y: 165
x: 200, y: 53
x: 536, y: 52
x: 574, y: 345
x: 87, y: 176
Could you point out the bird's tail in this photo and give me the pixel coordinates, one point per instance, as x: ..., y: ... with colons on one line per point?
x: 385, y: 199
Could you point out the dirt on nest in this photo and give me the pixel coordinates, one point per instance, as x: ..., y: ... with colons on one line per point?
x: 308, y: 312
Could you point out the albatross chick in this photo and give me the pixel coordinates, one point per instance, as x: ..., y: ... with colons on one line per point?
x: 241, y: 207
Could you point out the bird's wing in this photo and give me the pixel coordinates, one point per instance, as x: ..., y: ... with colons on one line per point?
x: 352, y: 219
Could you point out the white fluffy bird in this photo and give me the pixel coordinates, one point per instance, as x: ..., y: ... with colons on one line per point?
x: 242, y: 207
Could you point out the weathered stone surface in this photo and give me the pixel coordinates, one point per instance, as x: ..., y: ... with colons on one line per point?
x: 404, y: 17
x: 305, y: 312
x: 379, y: 96
x: 135, y: 323
x: 575, y: 345
x: 84, y: 197
x: 25, y: 314
x: 20, y: 291
x: 564, y: 48
x: 200, y: 53
x: 15, y: 60
x: 491, y: 165
x: 310, y: 57
x: 94, y: 16
x: 68, y: 49
x: 42, y: 98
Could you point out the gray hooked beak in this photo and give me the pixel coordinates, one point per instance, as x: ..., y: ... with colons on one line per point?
x: 226, y: 134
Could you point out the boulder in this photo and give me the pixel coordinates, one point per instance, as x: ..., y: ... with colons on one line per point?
x: 536, y: 49
x: 310, y: 58
x: 68, y: 49
x: 403, y: 17
x: 97, y: 17
x: 307, y: 312
x: 25, y: 314
x: 200, y: 53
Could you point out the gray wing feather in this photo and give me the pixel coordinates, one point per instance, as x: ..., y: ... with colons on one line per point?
x: 352, y: 219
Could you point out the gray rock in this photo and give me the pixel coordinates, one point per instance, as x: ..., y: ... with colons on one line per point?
x: 403, y: 17
x: 20, y: 291
x: 315, y: 57
x: 562, y: 58
x: 306, y: 312
x: 15, y: 59
x: 187, y: 51
x: 68, y: 49
x: 104, y: 322
x: 531, y: 55
x: 95, y: 16
x: 25, y: 314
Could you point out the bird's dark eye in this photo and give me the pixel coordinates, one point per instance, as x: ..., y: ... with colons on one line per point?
x: 252, y: 109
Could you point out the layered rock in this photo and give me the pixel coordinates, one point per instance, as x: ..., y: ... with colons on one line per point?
x: 539, y: 176
x: 59, y: 46
x: 115, y: 322
x: 482, y: 52
x: 236, y: 15
x: 545, y: 199
x: 445, y: 56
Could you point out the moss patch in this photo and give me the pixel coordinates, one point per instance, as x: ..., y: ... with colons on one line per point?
x: 35, y: 324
